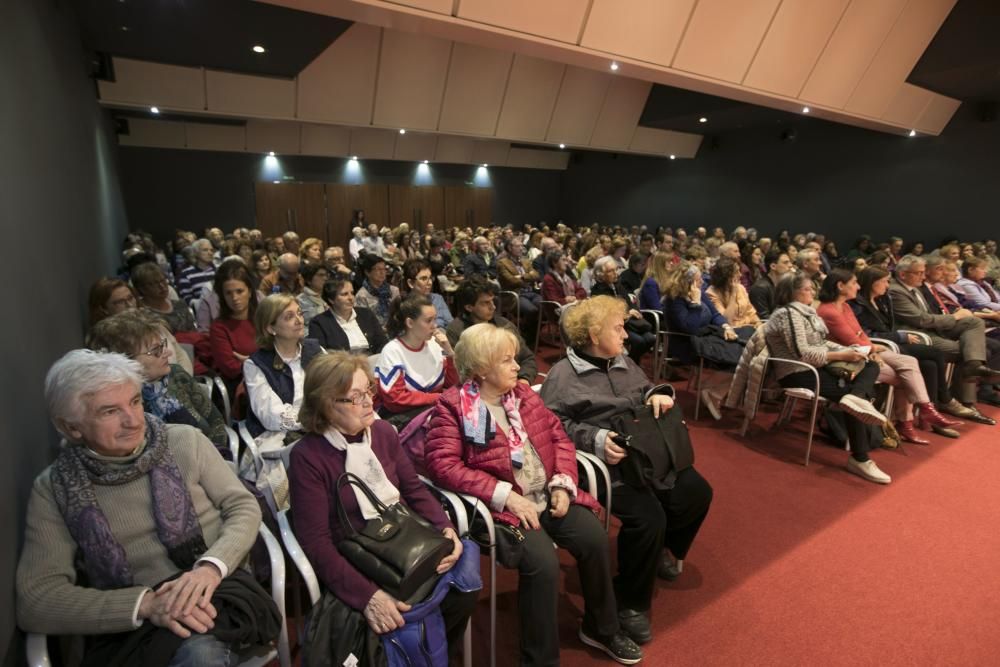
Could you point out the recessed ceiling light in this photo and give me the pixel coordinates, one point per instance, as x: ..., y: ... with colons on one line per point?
x: 425, y: 161
x: 277, y: 182
x: 673, y: 157
x: 270, y: 153
x: 913, y: 133
x: 402, y: 131
x: 124, y: 28
x: 562, y: 145
x: 805, y: 109
x: 614, y: 66
x: 702, y: 120
x: 257, y: 48
x: 485, y: 165
x: 354, y: 157
x: 154, y: 109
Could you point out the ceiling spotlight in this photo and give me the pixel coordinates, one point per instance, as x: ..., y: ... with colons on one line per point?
x: 614, y: 66
x: 913, y: 133
x: 673, y: 157
x: 277, y: 182
x: 485, y: 165
x: 805, y: 109
x: 354, y: 157
x: 154, y: 110
x: 562, y: 145
x: 124, y: 28
x: 425, y: 161
x: 702, y: 120
x: 257, y: 48
x: 270, y: 153
x: 402, y: 131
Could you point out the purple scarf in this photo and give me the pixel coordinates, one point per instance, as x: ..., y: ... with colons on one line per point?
x: 101, y: 557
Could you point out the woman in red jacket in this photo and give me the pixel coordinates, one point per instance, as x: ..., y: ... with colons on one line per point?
x: 232, y: 335
x: 493, y: 438
x: 558, y: 283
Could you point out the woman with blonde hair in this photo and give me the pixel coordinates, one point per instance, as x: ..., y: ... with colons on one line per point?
x: 311, y: 251
x: 657, y: 275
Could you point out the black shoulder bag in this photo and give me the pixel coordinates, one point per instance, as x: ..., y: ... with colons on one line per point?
x: 658, y: 449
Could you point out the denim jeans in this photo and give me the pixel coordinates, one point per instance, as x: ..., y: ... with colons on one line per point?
x: 203, y: 651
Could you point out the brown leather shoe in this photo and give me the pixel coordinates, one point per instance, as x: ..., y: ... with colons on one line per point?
x: 973, y: 370
x: 956, y: 409
x: 979, y: 417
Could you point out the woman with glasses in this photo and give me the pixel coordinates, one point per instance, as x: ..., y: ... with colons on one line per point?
x: 168, y: 391
x: 420, y: 280
x: 345, y: 436
x: 376, y: 294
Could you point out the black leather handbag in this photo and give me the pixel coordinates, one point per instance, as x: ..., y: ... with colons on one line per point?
x: 658, y: 448
x: 399, y: 550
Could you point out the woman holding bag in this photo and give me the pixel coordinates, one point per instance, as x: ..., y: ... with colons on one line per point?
x: 344, y: 436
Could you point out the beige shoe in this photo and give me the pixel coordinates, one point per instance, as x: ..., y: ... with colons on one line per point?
x: 862, y: 409
x: 868, y: 470
x: 711, y: 403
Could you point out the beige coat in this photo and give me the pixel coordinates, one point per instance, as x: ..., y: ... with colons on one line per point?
x: 738, y: 311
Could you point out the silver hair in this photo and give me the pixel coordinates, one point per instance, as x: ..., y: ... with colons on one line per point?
x: 908, y: 262
x: 601, y: 261
x: 934, y: 260
x: 804, y: 255
x: 82, y: 373
x: 201, y: 242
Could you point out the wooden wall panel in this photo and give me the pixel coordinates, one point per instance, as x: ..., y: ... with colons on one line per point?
x: 648, y: 30
x: 281, y: 137
x: 793, y: 44
x: 243, y: 94
x: 620, y: 113
x: 477, y: 79
x: 411, y: 77
x: 430, y: 200
x: 531, y: 96
x: 561, y: 20
x: 459, y: 206
x: 343, y: 200
x: 325, y: 140
x: 722, y: 37
x: 402, y: 205
x: 153, y: 84
x: 339, y: 85
x: 157, y: 133
x: 578, y: 106
x: 214, y: 137
x: 300, y: 207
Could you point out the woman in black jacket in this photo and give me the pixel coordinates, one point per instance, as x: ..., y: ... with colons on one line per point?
x: 873, y: 308
x: 344, y: 326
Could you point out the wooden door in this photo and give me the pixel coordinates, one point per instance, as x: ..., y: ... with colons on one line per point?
x: 344, y: 200
x: 430, y: 200
x: 482, y: 207
x: 457, y: 206
x: 298, y: 207
x: 403, y: 206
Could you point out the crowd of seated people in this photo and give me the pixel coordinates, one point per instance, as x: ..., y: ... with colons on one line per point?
x: 337, y: 349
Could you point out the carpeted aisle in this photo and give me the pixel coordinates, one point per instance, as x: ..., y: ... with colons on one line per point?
x: 816, y: 566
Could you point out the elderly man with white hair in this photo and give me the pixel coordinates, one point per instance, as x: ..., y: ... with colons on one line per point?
x: 481, y: 261
x: 137, y: 531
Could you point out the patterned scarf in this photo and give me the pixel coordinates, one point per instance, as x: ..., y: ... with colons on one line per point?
x: 159, y: 402
x: 479, y: 428
x: 384, y: 295
x: 362, y: 461
x: 101, y: 557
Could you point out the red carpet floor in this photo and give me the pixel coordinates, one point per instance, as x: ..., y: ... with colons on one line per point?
x: 814, y: 566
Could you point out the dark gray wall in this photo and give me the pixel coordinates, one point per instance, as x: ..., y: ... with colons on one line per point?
x: 167, y: 189
x: 63, y: 219
x: 835, y: 179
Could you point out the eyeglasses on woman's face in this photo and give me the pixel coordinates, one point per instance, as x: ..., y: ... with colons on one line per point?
x: 157, y: 350
x: 358, y: 398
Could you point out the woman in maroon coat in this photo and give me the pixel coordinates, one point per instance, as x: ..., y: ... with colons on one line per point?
x: 344, y: 436
x: 493, y: 438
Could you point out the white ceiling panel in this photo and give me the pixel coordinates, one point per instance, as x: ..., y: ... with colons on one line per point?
x: 456, y: 150
x: 722, y: 37
x: 535, y: 159
x: 493, y: 153
x: 936, y: 115
x: 339, y: 85
x: 665, y: 142
x: 907, y: 105
x: 373, y: 144
x: 477, y: 79
x: 648, y: 30
x: 560, y: 20
x: 436, y: 6
x: 411, y: 77
x: 153, y: 84
x: 578, y: 106
x: 250, y: 95
x: 325, y: 140
x: 415, y: 147
x: 531, y: 96
x: 620, y: 113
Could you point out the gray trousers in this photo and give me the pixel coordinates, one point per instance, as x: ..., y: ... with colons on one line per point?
x: 964, y: 341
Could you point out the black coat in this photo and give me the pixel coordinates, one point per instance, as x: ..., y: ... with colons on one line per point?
x: 879, y: 320
x: 327, y: 330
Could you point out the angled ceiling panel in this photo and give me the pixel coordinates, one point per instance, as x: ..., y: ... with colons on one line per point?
x: 907, y: 105
x: 936, y: 115
x: 665, y: 142
x: 373, y: 144
x: 325, y: 140
x: 153, y: 84
x: 722, y: 37
x: 648, y: 30
x: 620, y: 113
x: 436, y: 6
x: 339, y: 86
x: 212, y: 137
x: 901, y: 50
x: 560, y: 20
x: 250, y: 95
x: 578, y: 106
x: 414, y: 147
x: 156, y: 133
x: 490, y: 152
x: 456, y: 150
x: 411, y: 76
x: 854, y: 43
x: 793, y: 44
x: 531, y: 96
x: 477, y: 79
x: 527, y: 157
x: 281, y: 137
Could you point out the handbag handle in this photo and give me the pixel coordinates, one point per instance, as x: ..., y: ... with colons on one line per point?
x: 350, y: 479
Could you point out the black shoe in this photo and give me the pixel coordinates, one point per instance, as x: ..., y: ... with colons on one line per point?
x: 619, y: 647
x: 668, y: 568
x: 975, y: 369
x: 979, y: 417
x: 635, y: 624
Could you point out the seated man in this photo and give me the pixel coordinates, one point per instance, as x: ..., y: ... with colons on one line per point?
x: 960, y: 335
x: 137, y: 531
x: 762, y: 291
x: 286, y: 280
x: 517, y: 275
x: 333, y: 259
x: 481, y: 261
x: 475, y: 303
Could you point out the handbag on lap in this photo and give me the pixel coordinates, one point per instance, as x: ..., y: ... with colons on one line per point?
x: 658, y: 449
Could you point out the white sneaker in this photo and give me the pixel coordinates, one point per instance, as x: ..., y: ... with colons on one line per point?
x: 710, y: 402
x: 862, y: 409
x: 868, y: 470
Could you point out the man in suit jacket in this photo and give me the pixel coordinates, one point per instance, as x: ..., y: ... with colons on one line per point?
x: 960, y: 335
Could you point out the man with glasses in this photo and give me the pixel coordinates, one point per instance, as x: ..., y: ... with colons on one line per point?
x: 960, y: 335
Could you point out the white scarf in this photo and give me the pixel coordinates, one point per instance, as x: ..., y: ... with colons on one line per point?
x: 361, y: 461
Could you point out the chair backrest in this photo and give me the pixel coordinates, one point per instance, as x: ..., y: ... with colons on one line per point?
x: 413, y: 438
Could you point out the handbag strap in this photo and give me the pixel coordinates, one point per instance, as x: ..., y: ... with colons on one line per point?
x: 350, y: 479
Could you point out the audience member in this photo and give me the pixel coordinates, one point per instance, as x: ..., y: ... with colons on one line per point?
x: 641, y: 337
x: 419, y: 280
x: 762, y: 292
x: 314, y: 276
x: 376, y: 294
x: 232, y: 336
x: 730, y: 298
x: 286, y: 280
x: 154, y: 290
x: 199, y: 273
x: 344, y: 326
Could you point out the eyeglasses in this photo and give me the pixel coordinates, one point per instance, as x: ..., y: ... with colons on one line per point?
x: 358, y: 398
x: 157, y: 350
x: 126, y: 301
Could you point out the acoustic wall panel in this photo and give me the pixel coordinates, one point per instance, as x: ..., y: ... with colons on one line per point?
x: 560, y: 20
x: 620, y: 113
x: 578, y: 106
x: 155, y: 133
x: 339, y: 85
x: 214, y: 137
x: 411, y: 78
x: 477, y: 80
x: 648, y: 30
x: 250, y: 95
x: 325, y: 140
x: 153, y: 84
x: 531, y: 96
x: 722, y: 37
x: 264, y: 136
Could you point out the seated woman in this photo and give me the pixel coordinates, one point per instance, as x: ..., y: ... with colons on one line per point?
x: 657, y: 270
x: 873, y: 310
x: 151, y: 284
x: 729, y: 296
x: 376, y: 294
x: 641, y: 337
x: 493, y: 438
x: 168, y: 391
x: 311, y: 301
x: 344, y: 436
x: 895, y: 368
x: 558, y: 284
x: 590, y: 389
x: 232, y: 336
x: 129, y: 504
x: 417, y: 274
x: 345, y: 326
x: 751, y: 259
x: 796, y: 332
x: 979, y: 294
x: 416, y: 365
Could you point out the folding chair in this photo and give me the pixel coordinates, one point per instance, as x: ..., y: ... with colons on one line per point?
x: 548, y: 314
